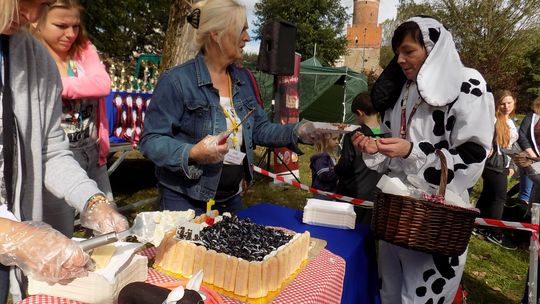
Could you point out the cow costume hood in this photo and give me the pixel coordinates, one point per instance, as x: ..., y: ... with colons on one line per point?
x: 438, y: 81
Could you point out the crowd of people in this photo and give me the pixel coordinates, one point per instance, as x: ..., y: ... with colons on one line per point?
x: 202, y: 127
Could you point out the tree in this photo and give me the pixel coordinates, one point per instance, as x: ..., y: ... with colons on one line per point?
x: 177, y: 44
x: 318, y: 22
x: 120, y: 28
x: 493, y: 35
x: 530, y: 82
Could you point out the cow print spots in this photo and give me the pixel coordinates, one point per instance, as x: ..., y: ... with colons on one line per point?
x: 434, y: 34
x: 450, y: 123
x: 467, y: 87
x: 471, y: 153
x: 460, y: 167
x: 442, y: 145
x: 438, y: 286
x: 433, y: 176
x: 438, y: 118
x: 428, y: 274
x: 426, y: 147
x: 421, y: 291
x: 444, y: 265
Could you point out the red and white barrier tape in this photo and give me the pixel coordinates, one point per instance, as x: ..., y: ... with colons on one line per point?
x: 479, y: 221
x: 296, y: 184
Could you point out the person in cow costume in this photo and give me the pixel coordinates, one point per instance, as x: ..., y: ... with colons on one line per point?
x: 429, y: 101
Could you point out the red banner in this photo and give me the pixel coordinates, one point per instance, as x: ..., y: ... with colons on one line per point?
x: 287, y: 100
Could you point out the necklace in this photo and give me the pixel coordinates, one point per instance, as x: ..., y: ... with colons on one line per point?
x: 406, y: 122
x: 232, y: 116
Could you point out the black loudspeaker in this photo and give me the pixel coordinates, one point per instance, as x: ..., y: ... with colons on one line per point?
x: 276, y: 52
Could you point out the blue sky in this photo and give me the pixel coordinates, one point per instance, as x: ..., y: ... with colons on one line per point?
x: 387, y: 10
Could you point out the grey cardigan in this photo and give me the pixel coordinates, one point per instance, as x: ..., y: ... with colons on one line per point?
x: 42, y: 150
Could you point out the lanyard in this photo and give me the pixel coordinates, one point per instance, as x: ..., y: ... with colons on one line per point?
x: 231, y: 118
x: 406, y: 122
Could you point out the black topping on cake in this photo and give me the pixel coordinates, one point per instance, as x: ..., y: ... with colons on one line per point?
x: 242, y: 238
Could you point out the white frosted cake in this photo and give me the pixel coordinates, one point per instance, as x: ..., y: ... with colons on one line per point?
x: 236, y: 255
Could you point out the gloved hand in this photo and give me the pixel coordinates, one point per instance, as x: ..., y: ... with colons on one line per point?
x: 41, y: 251
x: 307, y: 133
x: 102, y: 217
x: 211, y: 149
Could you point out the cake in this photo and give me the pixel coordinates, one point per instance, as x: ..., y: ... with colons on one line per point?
x: 238, y: 256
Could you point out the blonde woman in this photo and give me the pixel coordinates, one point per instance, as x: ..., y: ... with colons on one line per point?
x: 31, y: 87
x: 85, y: 83
x: 192, y: 127
x: 497, y: 168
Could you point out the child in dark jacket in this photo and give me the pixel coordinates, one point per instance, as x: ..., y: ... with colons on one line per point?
x: 355, y: 179
x: 322, y: 165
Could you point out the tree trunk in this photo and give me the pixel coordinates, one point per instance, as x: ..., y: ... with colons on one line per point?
x: 177, y: 48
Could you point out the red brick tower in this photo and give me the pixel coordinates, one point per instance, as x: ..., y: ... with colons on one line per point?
x: 364, y: 36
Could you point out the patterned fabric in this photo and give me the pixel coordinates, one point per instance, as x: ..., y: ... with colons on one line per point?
x: 321, y: 281
x: 452, y: 110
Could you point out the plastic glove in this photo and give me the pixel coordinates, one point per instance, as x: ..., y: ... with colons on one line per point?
x: 211, y: 149
x: 306, y: 131
x: 41, y: 251
x: 103, y: 218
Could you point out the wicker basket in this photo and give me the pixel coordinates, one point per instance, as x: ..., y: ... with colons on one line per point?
x: 422, y: 225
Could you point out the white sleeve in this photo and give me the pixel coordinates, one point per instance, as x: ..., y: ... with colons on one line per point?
x: 5, y: 213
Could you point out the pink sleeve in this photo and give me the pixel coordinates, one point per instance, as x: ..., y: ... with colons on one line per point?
x: 95, y: 82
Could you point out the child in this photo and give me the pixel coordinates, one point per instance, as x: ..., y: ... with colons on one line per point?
x: 322, y: 165
x: 355, y: 179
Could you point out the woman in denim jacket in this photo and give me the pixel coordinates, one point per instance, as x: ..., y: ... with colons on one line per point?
x: 192, y: 130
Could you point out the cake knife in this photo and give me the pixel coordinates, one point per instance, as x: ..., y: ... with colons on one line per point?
x: 111, y: 237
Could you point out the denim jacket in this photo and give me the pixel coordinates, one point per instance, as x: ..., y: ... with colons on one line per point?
x: 184, y: 109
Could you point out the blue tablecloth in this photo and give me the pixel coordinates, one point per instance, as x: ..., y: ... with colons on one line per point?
x: 356, y: 247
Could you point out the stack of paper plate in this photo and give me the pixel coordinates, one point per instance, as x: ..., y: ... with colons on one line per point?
x: 329, y: 213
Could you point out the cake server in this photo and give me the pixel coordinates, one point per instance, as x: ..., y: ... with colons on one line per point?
x: 136, y: 229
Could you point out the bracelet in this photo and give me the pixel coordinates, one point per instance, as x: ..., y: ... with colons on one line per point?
x: 94, y: 200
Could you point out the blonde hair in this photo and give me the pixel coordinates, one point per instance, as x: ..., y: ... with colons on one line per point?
x: 324, y: 144
x: 8, y: 10
x: 79, y: 43
x: 501, y: 126
x: 536, y: 105
x: 217, y: 16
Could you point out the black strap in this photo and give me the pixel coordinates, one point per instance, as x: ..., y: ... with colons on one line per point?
x: 8, y: 123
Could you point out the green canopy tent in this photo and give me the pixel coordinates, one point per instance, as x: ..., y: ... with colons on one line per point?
x: 326, y: 93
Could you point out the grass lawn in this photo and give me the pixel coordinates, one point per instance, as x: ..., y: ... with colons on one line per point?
x: 492, y: 275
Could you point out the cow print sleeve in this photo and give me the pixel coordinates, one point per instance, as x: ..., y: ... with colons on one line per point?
x: 463, y: 132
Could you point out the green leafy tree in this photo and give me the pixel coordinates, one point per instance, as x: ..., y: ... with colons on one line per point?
x: 493, y: 36
x: 120, y: 28
x: 530, y: 82
x: 318, y: 22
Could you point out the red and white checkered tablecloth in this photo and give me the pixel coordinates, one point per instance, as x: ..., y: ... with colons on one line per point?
x: 321, y: 281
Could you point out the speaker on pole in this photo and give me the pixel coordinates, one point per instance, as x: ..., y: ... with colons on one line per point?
x: 276, y: 52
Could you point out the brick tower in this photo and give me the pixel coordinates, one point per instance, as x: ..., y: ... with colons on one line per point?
x: 364, y: 37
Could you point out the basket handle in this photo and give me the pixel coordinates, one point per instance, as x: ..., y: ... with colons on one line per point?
x: 444, y: 173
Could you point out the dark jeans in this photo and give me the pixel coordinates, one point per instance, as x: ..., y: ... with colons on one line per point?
x: 4, y: 283
x: 174, y: 201
x: 493, y: 196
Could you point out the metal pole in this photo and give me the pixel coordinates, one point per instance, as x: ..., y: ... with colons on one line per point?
x: 533, y: 257
x: 364, y: 50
